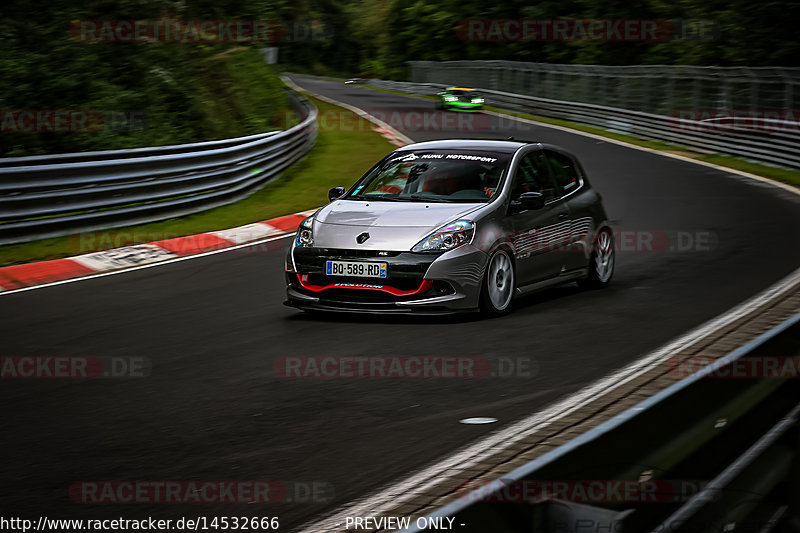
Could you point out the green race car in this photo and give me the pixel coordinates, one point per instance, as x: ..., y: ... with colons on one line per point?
x: 459, y: 99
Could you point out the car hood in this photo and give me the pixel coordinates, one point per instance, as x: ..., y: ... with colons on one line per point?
x: 392, y: 226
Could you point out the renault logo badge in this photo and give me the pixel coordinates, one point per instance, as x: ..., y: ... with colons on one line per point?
x: 361, y: 239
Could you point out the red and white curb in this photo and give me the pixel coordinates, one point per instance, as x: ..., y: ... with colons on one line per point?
x: 390, y: 135
x: 32, y: 274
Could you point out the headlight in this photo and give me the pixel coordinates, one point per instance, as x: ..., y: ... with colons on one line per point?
x: 451, y: 236
x: 305, y: 236
x: 477, y: 100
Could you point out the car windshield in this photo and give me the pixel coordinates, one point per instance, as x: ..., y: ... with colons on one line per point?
x: 441, y: 176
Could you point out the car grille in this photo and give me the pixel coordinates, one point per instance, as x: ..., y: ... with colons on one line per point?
x: 377, y: 254
x: 401, y: 265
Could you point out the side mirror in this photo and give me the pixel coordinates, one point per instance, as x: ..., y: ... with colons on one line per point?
x: 527, y: 201
x: 336, y: 193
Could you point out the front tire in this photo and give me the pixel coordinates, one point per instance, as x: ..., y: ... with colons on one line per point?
x: 601, y: 262
x: 497, y: 288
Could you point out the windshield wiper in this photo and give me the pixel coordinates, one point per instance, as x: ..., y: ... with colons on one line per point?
x: 385, y: 198
x: 408, y: 198
x: 429, y: 198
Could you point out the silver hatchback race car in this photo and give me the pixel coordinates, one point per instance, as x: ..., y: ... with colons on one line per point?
x: 454, y: 225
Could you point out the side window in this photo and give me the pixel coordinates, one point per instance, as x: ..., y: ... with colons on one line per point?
x: 533, y: 176
x: 564, y: 172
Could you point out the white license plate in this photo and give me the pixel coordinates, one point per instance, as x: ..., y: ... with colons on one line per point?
x: 360, y: 269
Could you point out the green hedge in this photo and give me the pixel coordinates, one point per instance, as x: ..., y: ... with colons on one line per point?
x: 134, y: 94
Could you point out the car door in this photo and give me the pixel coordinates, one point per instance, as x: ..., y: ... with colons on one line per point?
x: 537, y: 232
x: 569, y: 183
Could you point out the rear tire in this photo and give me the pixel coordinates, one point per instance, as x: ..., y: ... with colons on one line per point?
x: 601, y: 262
x: 497, y: 286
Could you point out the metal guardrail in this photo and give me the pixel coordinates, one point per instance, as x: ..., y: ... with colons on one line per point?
x: 717, y: 451
x: 55, y: 195
x: 772, y: 142
x: 657, y: 89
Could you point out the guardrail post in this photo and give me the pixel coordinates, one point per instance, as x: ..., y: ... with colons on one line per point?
x: 788, y: 91
x: 793, y: 489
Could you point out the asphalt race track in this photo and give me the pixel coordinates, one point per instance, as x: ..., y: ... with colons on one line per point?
x: 212, y: 328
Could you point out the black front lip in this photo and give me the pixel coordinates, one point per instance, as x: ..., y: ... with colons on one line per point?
x: 369, y: 309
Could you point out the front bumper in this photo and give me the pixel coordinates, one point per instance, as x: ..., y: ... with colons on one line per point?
x: 463, y: 106
x: 416, y: 282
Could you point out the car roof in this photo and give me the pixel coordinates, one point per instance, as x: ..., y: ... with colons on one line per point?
x: 458, y: 89
x: 488, y: 145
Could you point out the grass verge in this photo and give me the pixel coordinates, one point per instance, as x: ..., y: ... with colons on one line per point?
x: 792, y: 177
x: 340, y: 156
